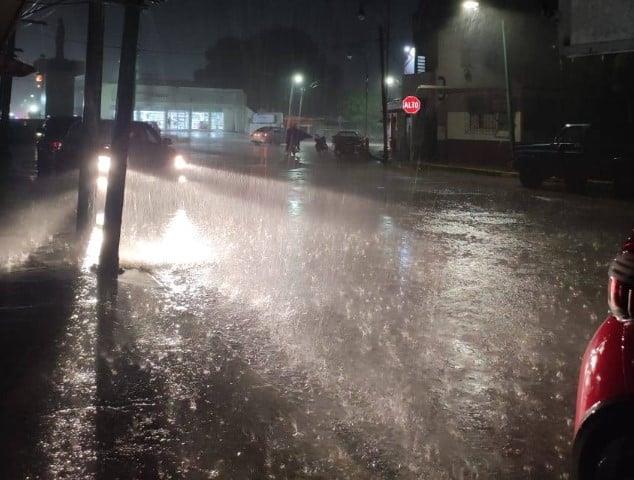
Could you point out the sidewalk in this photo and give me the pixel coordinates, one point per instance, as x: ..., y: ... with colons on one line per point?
x: 377, y: 153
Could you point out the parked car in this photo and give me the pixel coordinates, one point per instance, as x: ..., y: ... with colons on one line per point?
x: 579, y: 152
x: 49, y: 141
x: 274, y: 135
x: 148, y: 150
x: 604, y: 419
x: 23, y: 131
x: 348, y: 142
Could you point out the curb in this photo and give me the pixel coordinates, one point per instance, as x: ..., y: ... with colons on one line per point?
x: 475, y: 170
x: 457, y: 168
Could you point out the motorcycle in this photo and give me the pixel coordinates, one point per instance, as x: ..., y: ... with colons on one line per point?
x: 320, y: 144
x: 604, y: 420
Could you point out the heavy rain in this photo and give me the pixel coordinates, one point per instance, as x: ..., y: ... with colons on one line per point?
x: 388, y: 303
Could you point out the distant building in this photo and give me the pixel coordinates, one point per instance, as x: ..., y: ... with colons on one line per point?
x: 459, y: 76
x: 57, y: 76
x: 265, y: 119
x: 179, y: 106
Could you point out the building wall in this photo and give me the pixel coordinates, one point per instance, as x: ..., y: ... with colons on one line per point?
x: 465, y: 57
x: 231, y: 104
x: 465, y: 54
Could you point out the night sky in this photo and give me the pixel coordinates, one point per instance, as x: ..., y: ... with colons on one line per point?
x: 175, y: 35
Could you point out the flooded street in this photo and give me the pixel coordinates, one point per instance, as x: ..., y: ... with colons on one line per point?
x: 325, y: 319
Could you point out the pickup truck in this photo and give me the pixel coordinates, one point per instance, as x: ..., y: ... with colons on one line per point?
x: 580, y: 151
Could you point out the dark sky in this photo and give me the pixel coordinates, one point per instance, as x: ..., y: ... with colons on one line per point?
x: 174, y: 36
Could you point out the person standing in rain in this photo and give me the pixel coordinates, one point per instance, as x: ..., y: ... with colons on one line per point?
x: 292, y: 139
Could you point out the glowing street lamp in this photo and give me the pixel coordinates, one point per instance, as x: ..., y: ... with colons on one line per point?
x: 297, y: 79
x: 471, y: 5
x: 390, y: 81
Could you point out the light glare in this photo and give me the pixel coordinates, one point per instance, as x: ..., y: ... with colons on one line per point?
x: 470, y: 5
x: 102, y: 184
x: 179, y: 162
x: 103, y: 163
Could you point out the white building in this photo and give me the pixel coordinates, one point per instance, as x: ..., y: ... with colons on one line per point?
x: 179, y: 106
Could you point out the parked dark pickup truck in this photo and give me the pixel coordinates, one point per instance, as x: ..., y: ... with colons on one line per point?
x: 579, y: 152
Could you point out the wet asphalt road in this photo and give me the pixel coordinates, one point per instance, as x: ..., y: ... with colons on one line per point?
x: 314, y: 320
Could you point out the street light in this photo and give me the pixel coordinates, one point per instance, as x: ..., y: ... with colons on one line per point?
x: 301, y: 97
x: 471, y: 5
x: 390, y: 81
x: 407, y: 48
x: 297, y: 79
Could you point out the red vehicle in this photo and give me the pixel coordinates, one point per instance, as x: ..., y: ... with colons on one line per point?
x: 604, y: 421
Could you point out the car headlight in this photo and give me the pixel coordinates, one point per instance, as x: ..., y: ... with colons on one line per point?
x: 103, y: 163
x: 179, y: 162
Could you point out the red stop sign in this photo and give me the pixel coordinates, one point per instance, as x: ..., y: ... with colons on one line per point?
x: 411, y: 105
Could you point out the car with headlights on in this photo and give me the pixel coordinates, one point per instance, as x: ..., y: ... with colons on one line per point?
x: 274, y: 135
x: 148, y: 150
x: 49, y: 141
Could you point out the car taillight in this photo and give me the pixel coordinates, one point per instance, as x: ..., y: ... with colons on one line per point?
x: 621, y: 286
x: 56, y: 146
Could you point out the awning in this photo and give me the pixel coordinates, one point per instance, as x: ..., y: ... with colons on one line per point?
x: 14, y: 67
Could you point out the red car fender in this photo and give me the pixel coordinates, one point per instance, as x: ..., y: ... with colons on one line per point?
x: 607, y: 369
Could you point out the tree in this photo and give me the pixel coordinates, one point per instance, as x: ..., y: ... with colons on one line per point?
x: 262, y: 64
x: 354, y: 108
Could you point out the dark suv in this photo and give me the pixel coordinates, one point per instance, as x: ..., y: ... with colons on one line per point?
x: 147, y: 150
x: 49, y: 141
x: 579, y: 152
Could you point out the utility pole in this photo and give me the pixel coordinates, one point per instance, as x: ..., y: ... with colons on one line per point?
x: 92, y: 114
x: 6, y: 85
x: 388, y: 32
x: 290, y: 104
x: 383, y: 92
x: 367, y: 91
x: 301, y: 102
x: 109, y: 257
x: 509, y: 99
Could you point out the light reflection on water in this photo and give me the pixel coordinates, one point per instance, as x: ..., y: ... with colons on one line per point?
x: 181, y: 242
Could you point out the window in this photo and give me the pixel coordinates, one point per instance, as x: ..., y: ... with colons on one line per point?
x: 178, y: 120
x: 152, y: 136
x: 572, y: 134
x: 200, y: 121
x: 217, y: 121
x: 484, y: 123
x: 153, y: 116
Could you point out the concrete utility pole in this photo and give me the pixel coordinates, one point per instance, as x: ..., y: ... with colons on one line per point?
x: 367, y: 92
x: 301, y: 102
x: 290, y: 105
x: 509, y: 98
x: 6, y: 85
x: 92, y: 114
x: 109, y: 257
x: 383, y: 92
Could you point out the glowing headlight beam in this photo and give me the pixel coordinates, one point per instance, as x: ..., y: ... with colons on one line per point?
x: 179, y: 162
x: 103, y: 163
x: 102, y: 183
